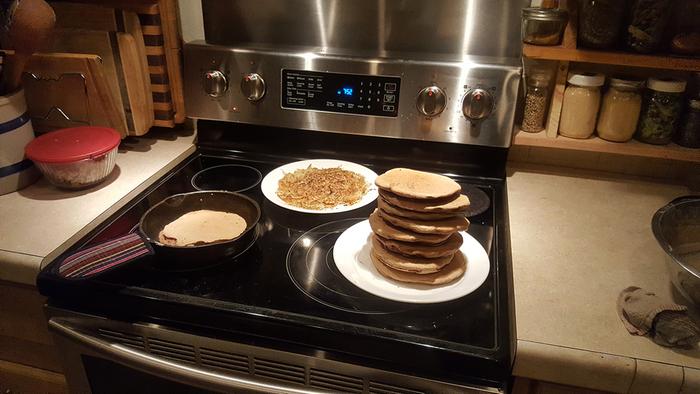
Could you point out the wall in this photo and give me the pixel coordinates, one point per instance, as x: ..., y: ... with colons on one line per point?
x: 191, y: 24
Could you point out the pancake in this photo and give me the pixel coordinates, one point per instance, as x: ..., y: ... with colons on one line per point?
x: 457, y: 204
x: 451, y: 272
x: 440, y: 226
x: 418, y: 265
x: 385, y: 230
x: 396, y: 211
x: 446, y: 248
x: 417, y: 184
x: 202, y: 227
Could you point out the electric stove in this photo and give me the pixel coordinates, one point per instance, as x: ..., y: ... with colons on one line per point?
x: 280, y: 317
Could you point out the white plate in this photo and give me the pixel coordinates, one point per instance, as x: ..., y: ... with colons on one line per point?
x: 351, y: 255
x: 271, y: 182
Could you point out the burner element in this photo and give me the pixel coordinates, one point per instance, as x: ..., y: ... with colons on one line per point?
x: 478, y: 199
x: 311, y: 267
x: 230, y: 177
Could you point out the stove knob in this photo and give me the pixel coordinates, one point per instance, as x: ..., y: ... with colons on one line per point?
x: 253, y: 87
x: 431, y: 101
x: 215, y: 83
x: 477, y: 104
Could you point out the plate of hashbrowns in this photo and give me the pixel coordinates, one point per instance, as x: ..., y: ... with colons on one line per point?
x: 320, y: 186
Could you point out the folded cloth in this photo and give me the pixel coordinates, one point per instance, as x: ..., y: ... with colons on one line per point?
x: 644, y: 313
x: 105, y: 256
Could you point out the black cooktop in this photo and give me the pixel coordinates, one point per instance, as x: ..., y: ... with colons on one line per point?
x: 285, y: 289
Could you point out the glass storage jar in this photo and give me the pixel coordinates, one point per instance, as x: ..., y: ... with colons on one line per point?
x: 686, y: 29
x: 535, y: 102
x: 661, y: 111
x: 543, y: 26
x: 689, y: 133
x: 647, y: 24
x: 580, y: 105
x: 619, y: 112
x: 600, y: 22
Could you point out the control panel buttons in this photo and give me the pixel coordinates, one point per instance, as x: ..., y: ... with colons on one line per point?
x: 253, y: 87
x: 431, y: 101
x: 215, y: 83
x: 477, y: 104
x: 343, y: 93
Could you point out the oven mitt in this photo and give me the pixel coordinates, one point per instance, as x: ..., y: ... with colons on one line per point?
x: 644, y: 313
x: 105, y: 256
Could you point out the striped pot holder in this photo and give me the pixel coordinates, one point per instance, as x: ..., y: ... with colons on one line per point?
x: 105, y: 256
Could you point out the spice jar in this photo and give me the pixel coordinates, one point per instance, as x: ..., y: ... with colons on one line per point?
x: 647, y: 24
x: 689, y: 133
x: 600, y: 22
x: 619, y: 112
x: 543, y: 26
x: 661, y: 111
x: 580, y: 105
x: 535, y: 102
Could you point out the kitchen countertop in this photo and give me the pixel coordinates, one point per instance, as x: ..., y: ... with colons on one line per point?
x: 41, y: 221
x: 578, y: 239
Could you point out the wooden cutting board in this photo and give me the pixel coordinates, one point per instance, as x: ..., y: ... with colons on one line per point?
x: 125, y: 29
x: 100, y: 106
x: 121, y: 65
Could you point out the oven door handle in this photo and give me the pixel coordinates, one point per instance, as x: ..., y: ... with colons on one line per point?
x: 167, y: 369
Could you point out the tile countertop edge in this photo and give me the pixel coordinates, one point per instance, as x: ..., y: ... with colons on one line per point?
x: 600, y: 371
x: 24, y: 267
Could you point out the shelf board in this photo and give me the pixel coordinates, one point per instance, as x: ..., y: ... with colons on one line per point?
x: 595, y: 144
x: 611, y: 57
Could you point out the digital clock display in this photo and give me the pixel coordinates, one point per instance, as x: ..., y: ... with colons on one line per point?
x: 376, y: 95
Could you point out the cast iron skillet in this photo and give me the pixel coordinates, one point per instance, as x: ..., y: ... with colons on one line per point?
x: 193, y: 257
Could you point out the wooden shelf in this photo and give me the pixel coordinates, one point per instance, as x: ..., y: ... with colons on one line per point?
x: 607, y: 57
x: 595, y: 144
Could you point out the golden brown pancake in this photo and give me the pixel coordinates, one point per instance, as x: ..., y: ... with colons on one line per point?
x: 457, y: 204
x: 202, y: 227
x: 418, y: 265
x: 396, y: 211
x: 417, y: 184
x: 451, y: 272
x: 440, y: 226
x: 446, y: 248
x: 385, y: 230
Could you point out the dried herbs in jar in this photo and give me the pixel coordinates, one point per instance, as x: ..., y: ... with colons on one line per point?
x: 647, y: 24
x: 600, y: 22
x: 661, y: 111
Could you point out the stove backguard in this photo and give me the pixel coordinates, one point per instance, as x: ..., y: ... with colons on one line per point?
x: 439, y: 70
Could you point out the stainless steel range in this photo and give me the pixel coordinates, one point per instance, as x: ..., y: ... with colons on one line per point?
x: 388, y: 83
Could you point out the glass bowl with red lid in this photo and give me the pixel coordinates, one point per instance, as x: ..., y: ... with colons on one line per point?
x: 75, y: 158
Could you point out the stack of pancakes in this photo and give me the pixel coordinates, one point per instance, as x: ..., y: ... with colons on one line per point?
x: 416, y: 227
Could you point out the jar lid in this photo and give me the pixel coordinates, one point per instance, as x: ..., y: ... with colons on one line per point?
x: 74, y: 144
x: 544, y: 14
x: 626, y: 83
x: 666, y: 85
x: 587, y: 79
x: 694, y: 104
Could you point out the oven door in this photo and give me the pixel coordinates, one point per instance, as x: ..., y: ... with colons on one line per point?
x: 95, y: 365
x: 106, y: 356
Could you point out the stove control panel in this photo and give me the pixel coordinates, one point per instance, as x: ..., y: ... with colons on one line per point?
x: 344, y: 93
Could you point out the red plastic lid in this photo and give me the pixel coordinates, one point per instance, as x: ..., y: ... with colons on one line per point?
x: 74, y: 144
